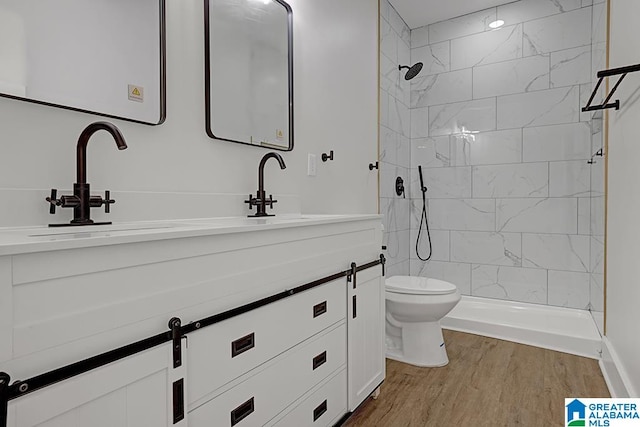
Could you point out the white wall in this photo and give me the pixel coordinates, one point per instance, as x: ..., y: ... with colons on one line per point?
x: 623, y: 229
x: 336, y: 108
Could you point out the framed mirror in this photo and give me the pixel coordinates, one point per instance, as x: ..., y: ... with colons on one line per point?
x: 104, y: 57
x: 249, y: 72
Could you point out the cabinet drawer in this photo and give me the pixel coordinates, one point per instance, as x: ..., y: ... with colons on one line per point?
x: 323, y: 408
x: 260, y: 398
x: 224, y: 351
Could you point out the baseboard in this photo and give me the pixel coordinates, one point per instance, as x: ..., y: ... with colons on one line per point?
x: 617, y: 380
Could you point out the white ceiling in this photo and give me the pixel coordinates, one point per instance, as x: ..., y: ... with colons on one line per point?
x: 417, y: 13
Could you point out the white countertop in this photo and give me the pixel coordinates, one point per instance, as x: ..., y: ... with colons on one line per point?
x: 21, y: 240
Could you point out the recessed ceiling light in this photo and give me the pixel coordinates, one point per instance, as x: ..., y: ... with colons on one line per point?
x: 496, y: 24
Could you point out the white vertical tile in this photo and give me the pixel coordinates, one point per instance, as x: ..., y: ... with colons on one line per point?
x: 597, y: 215
x: 557, y: 32
x: 420, y: 37
x: 569, y: 289
x: 571, y: 66
x: 452, y: 272
x: 597, y: 176
x: 486, y: 48
x: 487, y: 148
x: 444, y: 183
x: 554, y: 215
x: 384, y: 9
x: 597, y: 292
x: 597, y: 254
x: 396, y: 214
x: 587, y: 3
x: 399, y: 117
x: 558, y: 142
x: 430, y: 152
x: 398, y: 269
x: 544, y: 107
x: 388, y: 143
x: 515, y: 76
x: 397, y: 243
x: 480, y: 247
x: 584, y: 215
x: 509, y: 283
x: 556, y: 252
x: 464, y: 25
x: 527, y: 10
x: 384, y: 108
x: 599, y: 24
x: 569, y: 179
x: 462, y: 214
x: 512, y: 180
x: 388, y: 41
x: 444, y: 88
x: 435, y: 58
x: 419, y: 122
x: 439, y: 244
x: 399, y: 26
x: 478, y: 115
x: 388, y: 74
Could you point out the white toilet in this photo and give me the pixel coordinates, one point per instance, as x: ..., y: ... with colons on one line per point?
x: 414, y: 307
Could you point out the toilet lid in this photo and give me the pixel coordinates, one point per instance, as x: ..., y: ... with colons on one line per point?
x: 418, y: 285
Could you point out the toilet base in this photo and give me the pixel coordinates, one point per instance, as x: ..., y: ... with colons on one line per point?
x: 422, y: 345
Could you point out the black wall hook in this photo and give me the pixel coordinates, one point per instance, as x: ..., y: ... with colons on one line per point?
x: 373, y: 166
x: 326, y: 156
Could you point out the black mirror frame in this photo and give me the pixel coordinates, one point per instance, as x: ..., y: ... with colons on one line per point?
x: 163, y: 82
x: 207, y: 78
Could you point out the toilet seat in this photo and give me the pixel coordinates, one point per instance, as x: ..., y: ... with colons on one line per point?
x: 418, y: 286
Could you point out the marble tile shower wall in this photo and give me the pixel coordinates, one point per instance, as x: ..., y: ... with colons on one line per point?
x: 395, y: 133
x: 497, y: 127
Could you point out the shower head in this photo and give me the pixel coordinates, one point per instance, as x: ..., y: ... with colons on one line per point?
x: 413, y: 70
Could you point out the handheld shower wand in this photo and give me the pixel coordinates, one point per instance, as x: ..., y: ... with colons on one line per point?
x: 423, y: 218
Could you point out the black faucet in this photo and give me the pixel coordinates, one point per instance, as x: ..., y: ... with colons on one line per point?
x: 82, y: 201
x: 261, y: 201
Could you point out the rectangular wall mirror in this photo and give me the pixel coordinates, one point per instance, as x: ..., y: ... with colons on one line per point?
x: 105, y: 57
x: 249, y: 72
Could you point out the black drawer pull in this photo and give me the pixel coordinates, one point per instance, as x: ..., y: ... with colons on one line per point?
x: 319, y: 309
x: 178, y: 401
x: 243, y: 344
x: 355, y: 304
x: 319, y: 360
x: 321, y: 409
x: 242, y: 412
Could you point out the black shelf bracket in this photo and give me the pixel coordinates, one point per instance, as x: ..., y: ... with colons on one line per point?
x: 622, y: 72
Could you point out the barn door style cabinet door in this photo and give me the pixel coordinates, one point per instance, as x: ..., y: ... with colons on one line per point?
x: 138, y: 391
x: 365, y: 334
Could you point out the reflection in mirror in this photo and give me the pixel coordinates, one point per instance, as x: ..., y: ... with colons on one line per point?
x: 249, y: 72
x: 105, y: 57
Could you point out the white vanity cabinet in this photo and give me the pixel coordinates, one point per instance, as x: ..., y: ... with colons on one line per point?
x: 278, y: 345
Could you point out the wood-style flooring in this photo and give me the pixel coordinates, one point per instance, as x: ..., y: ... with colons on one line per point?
x: 488, y: 382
